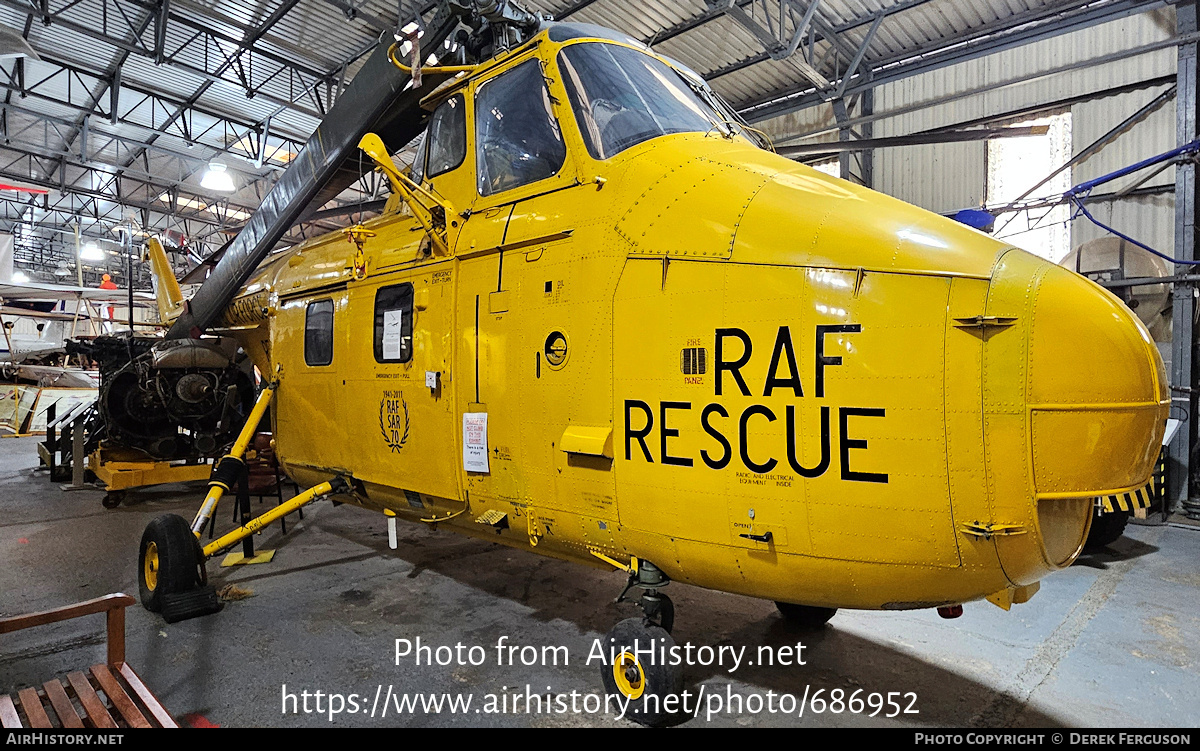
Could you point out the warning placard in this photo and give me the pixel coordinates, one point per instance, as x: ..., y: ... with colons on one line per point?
x: 475, y: 444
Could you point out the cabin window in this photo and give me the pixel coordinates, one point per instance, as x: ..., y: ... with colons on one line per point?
x: 393, y: 323
x: 318, y: 333
x: 517, y: 138
x: 622, y: 97
x: 447, y: 137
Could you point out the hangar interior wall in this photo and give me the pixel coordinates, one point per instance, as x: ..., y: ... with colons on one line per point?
x: 948, y: 177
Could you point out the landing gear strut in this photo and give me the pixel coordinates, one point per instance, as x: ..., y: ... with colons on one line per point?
x: 656, y: 606
x: 634, y: 669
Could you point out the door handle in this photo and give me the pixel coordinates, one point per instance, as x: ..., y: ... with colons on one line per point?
x: 765, y: 537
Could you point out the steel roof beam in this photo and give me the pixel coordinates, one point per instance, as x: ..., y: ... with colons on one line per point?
x: 165, y: 184
x: 300, y: 80
x: 117, y: 188
x: 1017, y: 30
x: 157, y: 100
x: 777, y: 46
x: 199, y: 157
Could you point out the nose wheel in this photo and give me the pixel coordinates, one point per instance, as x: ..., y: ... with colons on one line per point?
x: 634, y: 670
x: 169, y: 561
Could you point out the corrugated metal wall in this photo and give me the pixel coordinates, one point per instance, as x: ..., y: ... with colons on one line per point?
x: 947, y: 177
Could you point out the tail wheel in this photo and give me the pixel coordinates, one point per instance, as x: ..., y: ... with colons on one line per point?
x: 805, y: 616
x: 169, y: 561
x: 631, y: 674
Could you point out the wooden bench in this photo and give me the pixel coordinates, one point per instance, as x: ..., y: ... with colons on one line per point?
x: 107, y: 696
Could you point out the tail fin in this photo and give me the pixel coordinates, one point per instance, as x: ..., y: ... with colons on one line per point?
x: 166, y: 287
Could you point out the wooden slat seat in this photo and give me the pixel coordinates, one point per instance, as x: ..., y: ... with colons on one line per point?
x: 106, y: 696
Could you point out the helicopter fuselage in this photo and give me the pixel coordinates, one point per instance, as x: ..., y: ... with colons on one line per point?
x: 695, y: 352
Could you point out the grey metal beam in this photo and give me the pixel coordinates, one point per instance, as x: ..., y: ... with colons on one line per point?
x: 1111, y: 57
x: 111, y: 79
x: 151, y: 183
x: 156, y: 98
x: 249, y: 40
x: 915, y: 139
x: 212, y: 45
x: 773, y: 46
x: 1183, y: 302
x: 198, y: 156
x: 1017, y: 30
x: 1143, y: 112
x: 859, y: 54
x: 572, y: 9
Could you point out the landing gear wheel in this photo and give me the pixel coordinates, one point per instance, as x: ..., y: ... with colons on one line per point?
x: 169, y: 562
x: 1106, y: 529
x: 644, y: 682
x: 659, y: 610
x: 113, y: 498
x: 805, y: 616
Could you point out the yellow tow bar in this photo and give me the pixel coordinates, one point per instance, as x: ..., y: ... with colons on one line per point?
x: 259, y: 522
x: 217, y: 487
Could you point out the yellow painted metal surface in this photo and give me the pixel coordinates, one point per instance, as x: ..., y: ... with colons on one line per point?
x: 217, y: 488
x: 167, y: 294
x: 123, y: 474
x: 700, y: 354
x: 258, y: 522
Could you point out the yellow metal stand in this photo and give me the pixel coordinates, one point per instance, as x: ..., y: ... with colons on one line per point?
x: 238, y: 559
x: 123, y: 471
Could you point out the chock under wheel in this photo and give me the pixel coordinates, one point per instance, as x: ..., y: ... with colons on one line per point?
x: 171, y: 575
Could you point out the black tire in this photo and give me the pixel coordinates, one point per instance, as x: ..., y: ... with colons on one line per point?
x: 180, y: 566
x: 651, y: 681
x: 1106, y: 529
x: 805, y: 616
x: 112, y: 498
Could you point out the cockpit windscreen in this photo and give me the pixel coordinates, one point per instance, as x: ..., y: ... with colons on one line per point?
x: 623, y: 97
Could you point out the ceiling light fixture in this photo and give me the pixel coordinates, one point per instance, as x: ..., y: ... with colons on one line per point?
x: 217, y: 178
x: 92, y: 252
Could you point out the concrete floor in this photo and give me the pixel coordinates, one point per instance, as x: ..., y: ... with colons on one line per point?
x: 1114, y: 641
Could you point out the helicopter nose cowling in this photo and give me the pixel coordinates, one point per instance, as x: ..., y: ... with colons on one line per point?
x: 1075, y: 405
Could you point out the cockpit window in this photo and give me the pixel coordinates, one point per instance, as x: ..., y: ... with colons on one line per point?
x: 517, y: 138
x: 447, y: 136
x: 622, y: 97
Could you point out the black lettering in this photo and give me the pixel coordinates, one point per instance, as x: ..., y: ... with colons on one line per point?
x: 640, y: 434
x: 664, y: 433
x: 822, y: 360
x: 783, y: 345
x: 733, y: 366
x: 793, y: 459
x: 847, y: 443
x: 756, y: 409
x: 727, y: 450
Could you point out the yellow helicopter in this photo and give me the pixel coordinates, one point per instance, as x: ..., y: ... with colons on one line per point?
x: 597, y: 320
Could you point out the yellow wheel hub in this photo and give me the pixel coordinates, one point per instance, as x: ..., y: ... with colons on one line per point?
x: 150, y: 566
x: 630, y: 678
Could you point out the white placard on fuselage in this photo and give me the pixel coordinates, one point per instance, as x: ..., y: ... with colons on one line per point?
x: 393, y: 334
x: 475, y: 448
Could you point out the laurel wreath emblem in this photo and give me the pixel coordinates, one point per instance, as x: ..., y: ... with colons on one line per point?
x: 394, y: 446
